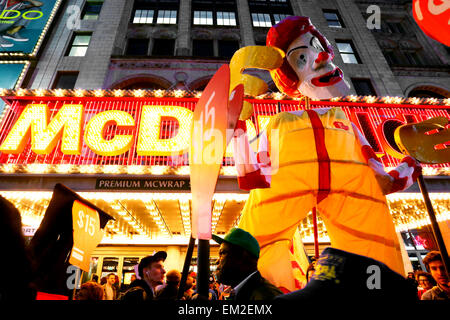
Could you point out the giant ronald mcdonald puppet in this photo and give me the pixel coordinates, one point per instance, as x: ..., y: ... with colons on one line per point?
x: 315, y: 158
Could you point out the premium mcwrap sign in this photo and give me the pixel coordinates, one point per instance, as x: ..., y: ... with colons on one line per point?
x: 143, y: 184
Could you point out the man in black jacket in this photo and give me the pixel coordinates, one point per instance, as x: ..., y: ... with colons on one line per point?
x: 151, y: 274
x: 342, y: 276
x: 237, y: 267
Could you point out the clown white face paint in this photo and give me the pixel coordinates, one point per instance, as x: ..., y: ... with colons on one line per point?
x: 319, y: 77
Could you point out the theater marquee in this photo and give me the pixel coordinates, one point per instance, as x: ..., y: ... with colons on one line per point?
x: 152, y: 131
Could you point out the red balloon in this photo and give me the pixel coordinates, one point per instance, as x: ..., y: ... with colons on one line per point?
x: 433, y: 17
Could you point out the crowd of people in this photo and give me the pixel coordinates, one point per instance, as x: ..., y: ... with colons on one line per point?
x: 109, y: 288
x: 237, y: 278
x: 432, y: 285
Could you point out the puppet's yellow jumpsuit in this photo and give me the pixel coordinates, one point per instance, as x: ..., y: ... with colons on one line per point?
x: 323, y: 161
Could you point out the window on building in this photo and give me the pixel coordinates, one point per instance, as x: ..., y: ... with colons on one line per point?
x: 261, y: 20
x: 167, y: 17
x: 347, y: 51
x: 266, y: 13
x: 91, y: 10
x: 394, y: 27
x: 203, y: 18
x: 155, y: 11
x: 137, y: 47
x: 333, y: 18
x: 226, y: 18
x: 422, y: 93
x: 391, y: 58
x: 203, y: 48
x: 65, y: 80
x: 143, y: 16
x: 163, y: 47
x: 278, y: 17
x: 413, y: 58
x: 363, y: 87
x: 227, y: 48
x: 214, y: 12
x: 79, y: 45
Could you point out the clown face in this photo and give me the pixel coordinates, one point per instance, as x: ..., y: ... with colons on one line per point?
x: 319, y: 77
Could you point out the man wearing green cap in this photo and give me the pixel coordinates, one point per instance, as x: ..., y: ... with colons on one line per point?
x: 237, y: 267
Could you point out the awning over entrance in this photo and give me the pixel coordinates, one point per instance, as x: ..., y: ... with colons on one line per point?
x: 165, y: 218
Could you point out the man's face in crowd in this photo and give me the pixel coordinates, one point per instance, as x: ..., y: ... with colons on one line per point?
x: 438, y: 273
x: 155, y: 272
x: 424, y: 282
x: 228, y: 265
x: 111, y: 280
x: 319, y: 77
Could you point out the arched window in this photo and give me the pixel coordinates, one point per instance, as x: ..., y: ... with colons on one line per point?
x: 143, y: 82
x: 429, y: 92
x: 143, y: 85
x: 199, y: 84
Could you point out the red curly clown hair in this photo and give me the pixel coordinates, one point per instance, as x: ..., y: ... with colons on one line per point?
x: 281, y: 36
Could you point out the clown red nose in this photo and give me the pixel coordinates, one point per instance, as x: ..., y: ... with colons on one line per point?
x: 322, y: 57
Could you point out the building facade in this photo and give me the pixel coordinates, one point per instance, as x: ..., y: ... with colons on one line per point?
x: 170, y: 45
x: 180, y: 44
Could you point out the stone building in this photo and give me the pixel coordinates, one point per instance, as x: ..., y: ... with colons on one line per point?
x: 180, y: 44
x: 170, y: 44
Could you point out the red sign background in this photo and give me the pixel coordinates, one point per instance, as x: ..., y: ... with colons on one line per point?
x: 368, y: 117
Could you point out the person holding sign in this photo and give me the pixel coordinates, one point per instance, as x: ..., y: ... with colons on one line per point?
x: 315, y: 158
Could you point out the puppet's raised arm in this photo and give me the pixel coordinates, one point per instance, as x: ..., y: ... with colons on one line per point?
x: 254, y: 170
x: 398, y: 179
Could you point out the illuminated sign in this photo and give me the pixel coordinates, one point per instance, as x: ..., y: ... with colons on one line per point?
x: 156, y: 131
x: 143, y: 184
x: 28, y: 231
x: 12, y: 73
x: 23, y: 24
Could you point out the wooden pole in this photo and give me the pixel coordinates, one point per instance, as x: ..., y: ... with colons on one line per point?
x: 434, y: 225
x: 187, y: 263
x: 316, y: 234
x: 419, y: 257
x: 77, y: 282
x: 203, y: 268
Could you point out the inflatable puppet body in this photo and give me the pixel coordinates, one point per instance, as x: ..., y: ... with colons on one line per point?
x: 315, y: 158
